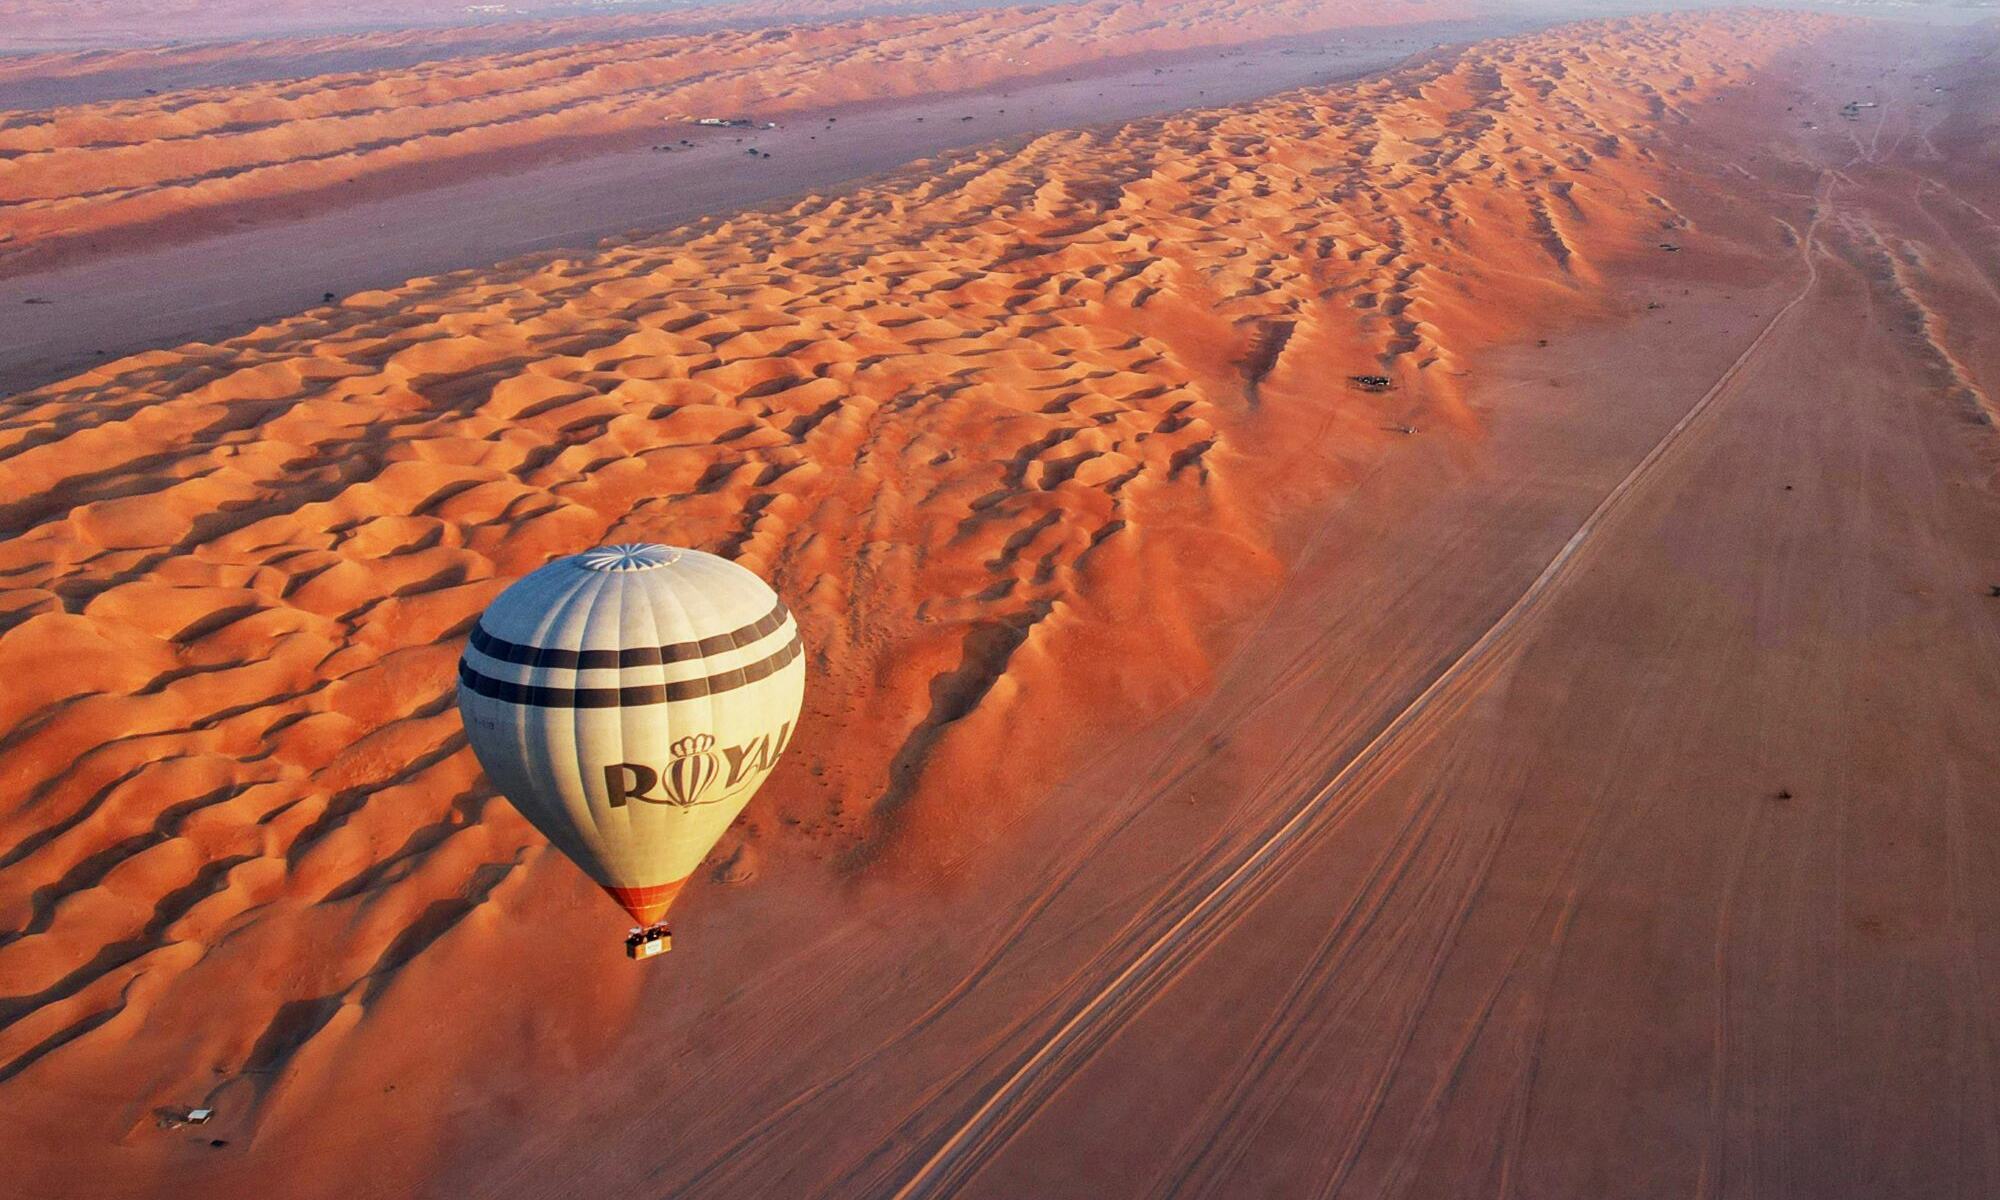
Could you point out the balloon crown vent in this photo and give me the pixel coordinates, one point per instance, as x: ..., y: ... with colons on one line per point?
x: 629, y: 556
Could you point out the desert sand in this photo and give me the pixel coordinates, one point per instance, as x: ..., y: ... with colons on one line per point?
x: 108, y: 173
x: 202, y: 30
x: 105, y: 53
x: 64, y: 316
x: 1569, y: 772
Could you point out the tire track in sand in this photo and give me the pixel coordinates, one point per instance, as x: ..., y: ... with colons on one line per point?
x: 1012, y: 1102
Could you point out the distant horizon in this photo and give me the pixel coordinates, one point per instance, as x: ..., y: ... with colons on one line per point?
x: 99, y: 25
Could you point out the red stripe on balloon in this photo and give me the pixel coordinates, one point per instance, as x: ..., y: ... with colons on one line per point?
x: 646, y: 904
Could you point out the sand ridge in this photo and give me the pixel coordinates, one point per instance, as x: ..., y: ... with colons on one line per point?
x: 1013, y: 435
x: 139, y: 63
x: 72, y: 175
x: 118, y: 24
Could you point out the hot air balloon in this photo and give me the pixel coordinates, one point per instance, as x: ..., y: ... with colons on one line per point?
x: 629, y: 700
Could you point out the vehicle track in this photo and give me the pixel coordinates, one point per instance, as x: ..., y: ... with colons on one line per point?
x: 1013, y: 1100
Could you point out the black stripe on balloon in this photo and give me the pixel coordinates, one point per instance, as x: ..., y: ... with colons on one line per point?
x: 633, y: 656
x: 537, y: 696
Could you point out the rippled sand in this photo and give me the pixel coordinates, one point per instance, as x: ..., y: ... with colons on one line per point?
x: 1018, y: 439
x: 72, y: 177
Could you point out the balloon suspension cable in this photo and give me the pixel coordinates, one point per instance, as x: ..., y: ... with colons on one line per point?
x: 649, y: 942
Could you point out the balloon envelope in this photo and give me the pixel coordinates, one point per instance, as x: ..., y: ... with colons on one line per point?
x: 629, y: 701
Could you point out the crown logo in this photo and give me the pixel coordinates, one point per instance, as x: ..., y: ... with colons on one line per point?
x: 697, y: 743
x: 694, y: 769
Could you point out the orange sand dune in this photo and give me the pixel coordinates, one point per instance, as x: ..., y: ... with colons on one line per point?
x: 1015, y: 437
x: 117, y: 22
x: 149, y: 47
x: 70, y: 175
x: 79, y: 20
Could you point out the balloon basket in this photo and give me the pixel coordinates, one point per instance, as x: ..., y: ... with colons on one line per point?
x: 648, y: 943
